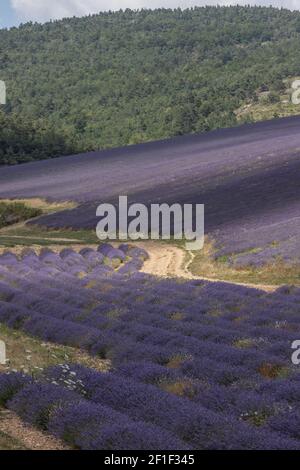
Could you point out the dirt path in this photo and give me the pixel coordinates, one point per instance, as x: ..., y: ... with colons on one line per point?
x: 30, y: 438
x: 171, y: 261
x: 164, y: 261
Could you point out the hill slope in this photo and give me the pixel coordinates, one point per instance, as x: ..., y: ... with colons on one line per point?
x: 248, y: 178
x: 128, y: 77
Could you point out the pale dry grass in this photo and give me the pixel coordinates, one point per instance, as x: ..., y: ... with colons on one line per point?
x: 30, y: 355
x: 262, y: 110
x: 267, y: 277
x: 43, y: 205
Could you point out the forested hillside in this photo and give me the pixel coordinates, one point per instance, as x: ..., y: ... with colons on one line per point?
x: 120, y: 78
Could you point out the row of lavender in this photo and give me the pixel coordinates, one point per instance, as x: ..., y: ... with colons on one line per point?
x: 106, y: 259
x: 207, y: 363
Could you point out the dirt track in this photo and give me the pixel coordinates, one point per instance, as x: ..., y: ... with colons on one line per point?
x: 171, y: 261
x: 165, y: 261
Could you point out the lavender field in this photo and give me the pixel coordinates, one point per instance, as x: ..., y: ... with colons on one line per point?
x: 248, y: 178
x: 194, y: 365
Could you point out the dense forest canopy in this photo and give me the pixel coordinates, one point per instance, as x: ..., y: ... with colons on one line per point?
x: 125, y: 77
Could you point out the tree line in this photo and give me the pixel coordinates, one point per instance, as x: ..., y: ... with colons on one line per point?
x: 120, y: 78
